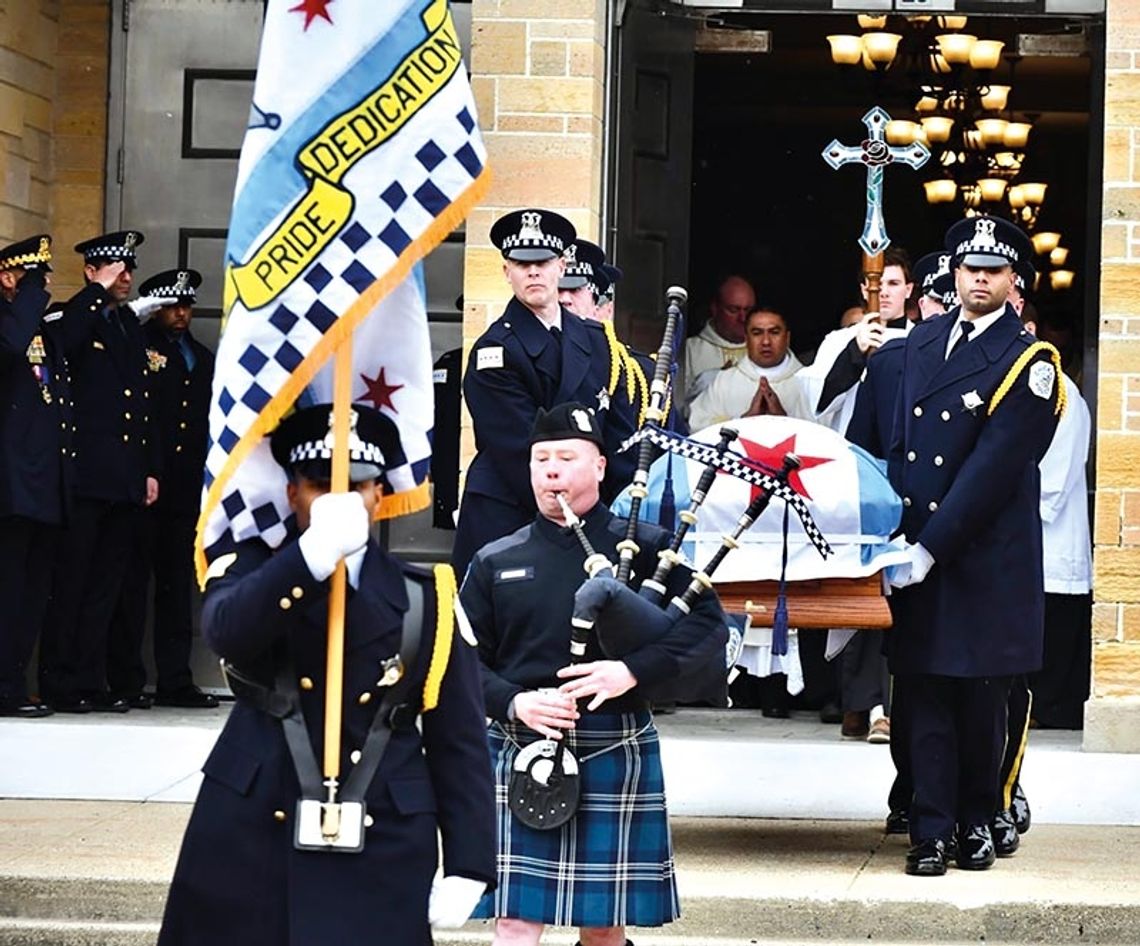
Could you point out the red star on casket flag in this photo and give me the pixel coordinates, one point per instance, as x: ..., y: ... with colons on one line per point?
x: 773, y: 458
x: 312, y: 9
x: 380, y: 391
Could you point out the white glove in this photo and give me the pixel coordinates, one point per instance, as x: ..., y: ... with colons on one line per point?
x: 452, y: 900
x: 145, y: 306
x: 338, y: 527
x: 913, y: 571
x: 869, y: 333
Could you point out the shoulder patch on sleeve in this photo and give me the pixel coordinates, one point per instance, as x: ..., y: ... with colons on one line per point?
x: 466, y: 631
x: 53, y: 316
x: 1041, y: 378
x: 490, y: 357
x: 219, y: 566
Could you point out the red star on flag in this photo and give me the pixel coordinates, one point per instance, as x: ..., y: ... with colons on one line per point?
x: 380, y: 391
x: 312, y: 9
x: 773, y: 458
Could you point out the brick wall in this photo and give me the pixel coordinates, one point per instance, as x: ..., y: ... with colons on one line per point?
x: 53, y: 124
x: 538, y: 69
x: 1114, y: 711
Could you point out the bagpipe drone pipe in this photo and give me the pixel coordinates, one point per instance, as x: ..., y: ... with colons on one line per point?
x: 625, y: 621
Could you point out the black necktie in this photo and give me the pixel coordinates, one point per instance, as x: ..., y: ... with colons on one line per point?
x: 556, y: 334
x: 967, y: 328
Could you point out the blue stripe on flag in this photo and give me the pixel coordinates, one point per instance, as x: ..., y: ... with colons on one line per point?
x: 268, y: 188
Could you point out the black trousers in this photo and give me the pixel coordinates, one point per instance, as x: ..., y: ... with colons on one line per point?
x: 27, y: 553
x: 94, y: 554
x: 1019, y: 707
x: 902, y: 789
x: 863, y: 678
x: 162, y: 546
x: 1061, y: 686
x: 957, y: 734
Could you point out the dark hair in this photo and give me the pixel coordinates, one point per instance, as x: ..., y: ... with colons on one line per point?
x: 897, y: 256
x: 767, y: 310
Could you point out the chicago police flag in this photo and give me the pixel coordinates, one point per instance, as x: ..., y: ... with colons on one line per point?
x: 362, y: 154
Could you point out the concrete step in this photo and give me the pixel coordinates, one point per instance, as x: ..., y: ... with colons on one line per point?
x: 80, y: 873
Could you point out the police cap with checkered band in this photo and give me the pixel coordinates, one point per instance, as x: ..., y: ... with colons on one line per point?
x: 584, y: 261
x: 532, y: 235
x: 984, y: 241
x: 180, y: 284
x: 112, y: 248
x: 303, y: 443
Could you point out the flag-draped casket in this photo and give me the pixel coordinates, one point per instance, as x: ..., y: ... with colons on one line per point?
x: 850, y: 500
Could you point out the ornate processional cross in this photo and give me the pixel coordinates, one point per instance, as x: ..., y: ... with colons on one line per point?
x: 876, y: 154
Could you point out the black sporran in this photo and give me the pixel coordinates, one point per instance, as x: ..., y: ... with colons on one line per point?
x: 544, y: 790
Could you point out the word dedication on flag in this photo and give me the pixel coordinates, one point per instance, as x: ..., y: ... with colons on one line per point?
x: 362, y: 153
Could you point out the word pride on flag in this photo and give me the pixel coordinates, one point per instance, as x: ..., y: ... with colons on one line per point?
x: 362, y: 153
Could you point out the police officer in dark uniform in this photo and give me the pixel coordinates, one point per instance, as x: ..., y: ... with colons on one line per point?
x: 117, y: 465
x: 35, y: 460
x: 241, y: 879
x: 978, y: 405
x: 535, y: 355
x: 164, y: 543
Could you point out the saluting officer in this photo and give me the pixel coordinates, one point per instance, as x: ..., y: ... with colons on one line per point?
x: 410, y: 680
x: 535, y: 355
x: 35, y: 460
x: 117, y: 465
x: 183, y: 368
x: 978, y: 405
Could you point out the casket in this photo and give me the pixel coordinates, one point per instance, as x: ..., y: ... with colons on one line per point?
x: 850, y: 500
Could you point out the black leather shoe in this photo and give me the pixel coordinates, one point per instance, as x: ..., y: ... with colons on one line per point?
x: 975, y: 848
x: 108, y: 703
x: 26, y: 710
x: 898, y: 822
x: 830, y: 713
x: 1004, y: 833
x: 143, y: 701
x: 1019, y: 808
x: 75, y: 705
x: 187, y: 698
x: 927, y: 858
x: 775, y: 712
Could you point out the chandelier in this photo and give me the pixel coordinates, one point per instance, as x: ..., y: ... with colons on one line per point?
x: 961, y: 113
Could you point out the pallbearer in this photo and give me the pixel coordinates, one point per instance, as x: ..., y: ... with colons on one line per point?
x: 978, y: 404
x: 35, y: 460
x: 254, y: 869
x: 611, y: 864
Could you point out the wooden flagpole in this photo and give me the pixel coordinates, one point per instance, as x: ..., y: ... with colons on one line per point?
x: 334, y: 667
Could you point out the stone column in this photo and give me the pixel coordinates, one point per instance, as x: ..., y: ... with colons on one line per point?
x: 1112, y: 715
x: 538, y: 74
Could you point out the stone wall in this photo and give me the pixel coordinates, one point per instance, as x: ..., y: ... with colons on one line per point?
x: 53, y: 124
x: 538, y: 75
x: 1113, y: 713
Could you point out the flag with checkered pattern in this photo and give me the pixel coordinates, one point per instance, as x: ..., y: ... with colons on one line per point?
x: 362, y: 153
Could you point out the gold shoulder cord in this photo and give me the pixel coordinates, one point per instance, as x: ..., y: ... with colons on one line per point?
x: 445, y: 591
x: 1018, y: 366
x: 636, y: 384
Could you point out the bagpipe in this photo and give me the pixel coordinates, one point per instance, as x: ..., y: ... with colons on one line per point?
x: 624, y: 620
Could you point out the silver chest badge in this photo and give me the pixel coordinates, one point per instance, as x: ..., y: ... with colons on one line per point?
x: 603, y: 400
x: 971, y: 401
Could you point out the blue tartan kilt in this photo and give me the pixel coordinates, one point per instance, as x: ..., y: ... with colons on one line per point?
x: 612, y: 863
